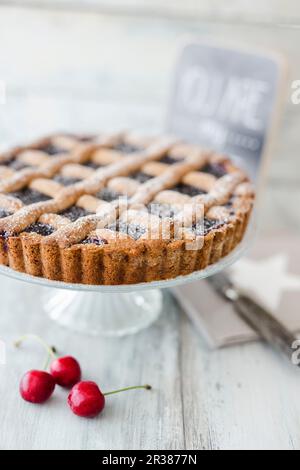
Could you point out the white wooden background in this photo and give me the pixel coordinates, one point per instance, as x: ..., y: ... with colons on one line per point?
x: 87, y: 71
x: 263, y: 11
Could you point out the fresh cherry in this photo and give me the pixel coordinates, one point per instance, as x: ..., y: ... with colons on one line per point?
x: 87, y: 401
x: 66, y: 371
x: 37, y: 386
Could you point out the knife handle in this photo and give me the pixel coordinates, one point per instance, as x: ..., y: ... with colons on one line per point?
x: 270, y: 329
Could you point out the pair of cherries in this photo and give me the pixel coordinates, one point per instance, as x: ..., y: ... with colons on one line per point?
x: 85, y: 398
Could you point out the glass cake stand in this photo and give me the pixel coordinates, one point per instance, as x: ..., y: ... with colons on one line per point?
x: 115, y: 310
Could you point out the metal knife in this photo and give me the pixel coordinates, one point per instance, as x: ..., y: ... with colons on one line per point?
x: 257, y: 317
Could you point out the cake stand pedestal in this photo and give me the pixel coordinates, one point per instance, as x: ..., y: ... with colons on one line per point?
x: 114, y: 310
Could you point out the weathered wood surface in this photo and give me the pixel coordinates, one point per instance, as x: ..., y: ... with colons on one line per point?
x: 238, y: 398
x: 81, y: 72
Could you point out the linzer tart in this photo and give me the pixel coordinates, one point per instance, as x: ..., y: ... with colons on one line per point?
x: 111, y: 209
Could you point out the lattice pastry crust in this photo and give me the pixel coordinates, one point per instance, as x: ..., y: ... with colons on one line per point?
x: 118, y: 209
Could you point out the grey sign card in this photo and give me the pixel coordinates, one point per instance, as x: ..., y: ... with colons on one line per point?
x: 227, y: 99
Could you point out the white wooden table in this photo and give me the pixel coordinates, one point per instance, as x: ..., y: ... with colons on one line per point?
x: 239, y: 398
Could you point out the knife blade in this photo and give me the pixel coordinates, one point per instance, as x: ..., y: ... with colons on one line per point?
x: 256, y: 316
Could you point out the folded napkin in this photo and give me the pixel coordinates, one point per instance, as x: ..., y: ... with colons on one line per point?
x: 270, y: 273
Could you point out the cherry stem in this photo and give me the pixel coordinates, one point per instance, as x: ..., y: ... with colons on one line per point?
x: 50, y: 350
x: 47, y: 362
x: 145, y: 387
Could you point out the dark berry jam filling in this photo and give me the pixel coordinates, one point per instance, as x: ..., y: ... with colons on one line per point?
x: 188, y: 190
x: 93, y: 165
x: 170, y: 160
x: 4, y: 234
x: 126, y: 148
x: 94, y: 241
x: 17, y: 165
x: 4, y: 213
x: 29, y: 196
x: 74, y: 213
x: 141, y: 177
x: 39, y: 228
x: 207, y: 225
x: 229, y: 204
x: 161, y: 210
x: 133, y: 230
x: 51, y: 149
x: 108, y: 195
x: 216, y: 169
x: 86, y: 138
x: 64, y: 181
x: 4, y: 238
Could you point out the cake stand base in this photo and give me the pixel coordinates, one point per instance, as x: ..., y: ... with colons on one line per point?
x: 103, y: 314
